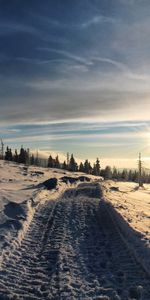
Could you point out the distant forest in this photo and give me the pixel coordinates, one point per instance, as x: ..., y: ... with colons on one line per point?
x: 26, y: 157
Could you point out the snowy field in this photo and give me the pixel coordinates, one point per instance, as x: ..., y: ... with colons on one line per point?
x: 20, y: 195
x: 132, y: 212
x: 76, y: 241
x: 132, y: 202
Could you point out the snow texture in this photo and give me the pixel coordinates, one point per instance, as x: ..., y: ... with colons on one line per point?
x: 76, y: 245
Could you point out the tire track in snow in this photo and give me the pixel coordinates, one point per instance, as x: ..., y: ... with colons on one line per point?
x: 71, y: 251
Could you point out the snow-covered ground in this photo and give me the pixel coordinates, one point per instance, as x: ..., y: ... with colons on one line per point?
x: 132, y: 202
x: 81, y: 241
x: 132, y: 212
x: 20, y: 194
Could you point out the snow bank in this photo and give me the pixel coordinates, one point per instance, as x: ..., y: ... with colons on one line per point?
x: 129, y: 208
x: 134, y: 240
x: 14, y: 224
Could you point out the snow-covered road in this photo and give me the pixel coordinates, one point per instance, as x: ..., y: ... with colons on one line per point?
x: 72, y: 250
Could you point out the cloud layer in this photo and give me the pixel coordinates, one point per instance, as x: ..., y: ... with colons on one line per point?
x: 74, y: 61
x: 70, y: 60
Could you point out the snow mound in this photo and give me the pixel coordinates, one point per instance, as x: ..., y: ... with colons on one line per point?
x: 14, y: 223
x: 14, y: 210
x: 92, y: 190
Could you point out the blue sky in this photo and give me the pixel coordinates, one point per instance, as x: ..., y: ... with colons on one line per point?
x: 75, y: 76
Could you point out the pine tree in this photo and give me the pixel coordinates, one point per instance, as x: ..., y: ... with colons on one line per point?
x: 87, y: 167
x: 124, y: 175
x: 8, y: 154
x: 90, y: 168
x: 96, y: 169
x: 27, y: 154
x: 36, y: 160
x: 135, y: 176
x: 72, y: 164
x: 22, y: 156
x: 115, y: 173
x: 57, y: 163
x: 16, y: 156
x: 2, y: 150
x: 50, y: 162
x: 68, y: 160
x: 130, y: 177
x: 81, y: 167
x: 32, y: 159
x: 107, y: 172
x: 64, y: 165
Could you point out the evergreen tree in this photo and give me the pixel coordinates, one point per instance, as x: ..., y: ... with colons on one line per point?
x: 90, y: 168
x: 130, y: 177
x: 8, y: 154
x: 36, y: 160
x: 1, y: 149
x: 124, y: 175
x: 107, y: 172
x: 115, y: 173
x: 87, y: 167
x: 56, y: 163
x: 16, y: 157
x: 64, y: 165
x: 72, y: 164
x: 68, y: 159
x: 22, y: 156
x: 135, y: 176
x: 81, y: 167
x: 96, y: 168
x: 50, y: 162
x: 32, y: 159
x: 102, y: 172
x: 27, y: 154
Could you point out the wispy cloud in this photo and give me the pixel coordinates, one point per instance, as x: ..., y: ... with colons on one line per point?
x: 11, y: 27
x: 123, y: 68
x: 92, y: 60
x: 66, y: 54
x: 97, y: 20
x: 94, y: 20
x: 80, y: 136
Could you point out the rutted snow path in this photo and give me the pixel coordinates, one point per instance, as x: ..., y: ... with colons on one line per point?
x: 72, y: 251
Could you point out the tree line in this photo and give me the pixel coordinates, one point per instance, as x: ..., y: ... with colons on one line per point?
x: 24, y: 156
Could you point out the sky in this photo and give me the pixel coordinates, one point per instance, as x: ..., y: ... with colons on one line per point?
x: 75, y: 77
